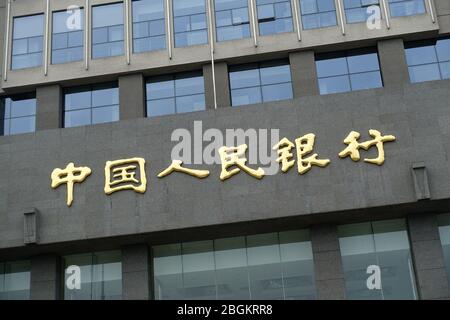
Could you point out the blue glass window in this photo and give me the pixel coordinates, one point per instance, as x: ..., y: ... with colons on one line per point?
x: 318, y: 13
x: 357, y: 10
x: 385, y: 246
x: 232, y: 20
x: 260, y: 82
x: 444, y: 235
x: 91, y: 104
x: 149, y: 31
x: 15, y: 280
x: 107, y: 30
x: 189, y: 22
x: 272, y: 266
x: 348, y: 71
x: 67, y: 39
x: 401, y: 8
x: 179, y: 93
x: 274, y: 16
x: 18, y: 114
x: 429, y: 60
x: 28, y: 42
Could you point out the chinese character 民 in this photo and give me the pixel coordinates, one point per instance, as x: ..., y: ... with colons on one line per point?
x: 305, y: 146
x: 69, y: 176
x: 352, y: 149
x: 235, y: 156
x: 176, y: 165
x: 121, y: 175
x: 284, y: 154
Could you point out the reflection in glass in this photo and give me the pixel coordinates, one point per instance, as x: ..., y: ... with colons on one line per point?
x: 384, y: 244
x: 179, y: 93
x: 348, y: 71
x: 67, y: 43
x: 101, y: 276
x: 274, y: 16
x: 91, y: 104
x: 189, y: 18
x: 318, y: 13
x: 266, y: 266
x: 359, y: 10
x: 27, y: 42
x: 260, y: 82
x: 232, y: 19
x: 107, y: 30
x: 401, y: 8
x: 17, y: 114
x: 15, y: 280
x: 429, y: 60
x: 444, y: 235
x: 148, y: 25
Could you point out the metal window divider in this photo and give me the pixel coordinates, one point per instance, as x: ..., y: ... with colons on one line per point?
x: 254, y: 21
x: 384, y: 4
x: 169, y: 28
x: 47, y: 38
x: 297, y: 19
x: 340, y: 15
x: 432, y: 14
x: 87, y: 34
x: 7, y: 37
x: 127, y: 31
x: 212, y: 48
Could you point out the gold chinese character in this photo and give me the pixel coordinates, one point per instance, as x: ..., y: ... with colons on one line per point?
x: 69, y: 176
x: 124, y: 175
x: 353, y: 146
x: 176, y: 165
x: 235, y: 156
x: 305, y: 146
x: 284, y: 154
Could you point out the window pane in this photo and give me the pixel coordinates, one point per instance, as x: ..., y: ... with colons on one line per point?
x: 246, y: 96
x: 20, y: 46
x: 145, y: 10
x: 105, y: 96
x: 107, y: 15
x: 22, y: 125
x: 27, y: 27
x: 445, y: 70
x: 367, y: 80
x: 244, y: 78
x: 443, y: 49
x: 15, y: 280
x: 334, y: 84
x: 233, y: 32
x: 27, y: 61
x: 186, y: 85
x: 60, y: 41
x: 276, y: 74
x: 420, y: 55
x: 444, y: 235
x: 158, y: 88
x: 168, y: 272
x: 78, y: 100
x: 406, y: 7
x: 363, y: 63
x: 23, y: 107
x: 427, y: 72
x: 223, y: 18
x: 190, y: 103
x: 77, y: 118
x: 331, y: 67
x: 160, y: 107
x: 277, y: 92
x: 105, y: 114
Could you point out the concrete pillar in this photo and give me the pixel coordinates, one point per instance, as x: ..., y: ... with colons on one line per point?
x: 329, y: 274
x: 393, y: 65
x: 132, y: 96
x: 222, y: 85
x: 304, y: 73
x: 49, y: 107
x: 46, y: 276
x: 135, y: 272
x: 426, y: 248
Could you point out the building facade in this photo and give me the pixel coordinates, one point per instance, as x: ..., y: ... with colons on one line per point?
x: 92, y: 82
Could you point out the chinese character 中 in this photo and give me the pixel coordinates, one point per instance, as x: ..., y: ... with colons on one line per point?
x: 69, y: 176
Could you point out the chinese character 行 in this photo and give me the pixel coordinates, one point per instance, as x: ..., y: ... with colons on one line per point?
x: 69, y: 176
x: 352, y: 149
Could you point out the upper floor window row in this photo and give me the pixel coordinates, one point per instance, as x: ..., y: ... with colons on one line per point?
x: 189, y: 22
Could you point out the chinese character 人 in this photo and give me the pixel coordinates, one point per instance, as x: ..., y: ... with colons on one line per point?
x: 177, y: 165
x: 121, y: 175
x: 69, y: 176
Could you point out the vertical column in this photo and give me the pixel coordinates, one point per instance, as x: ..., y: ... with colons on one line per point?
x: 327, y: 263
x: 426, y: 248
x: 46, y: 277
x: 132, y: 96
x: 304, y: 74
x: 3, y: 37
x: 135, y: 272
x: 393, y: 63
x: 222, y: 85
x: 49, y: 107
